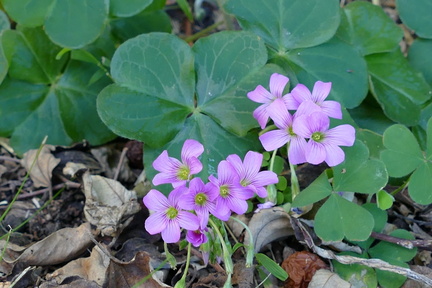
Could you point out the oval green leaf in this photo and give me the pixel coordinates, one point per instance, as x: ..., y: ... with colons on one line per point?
x: 369, y: 29
x: 339, y: 218
x: 30, y: 13
x: 358, y: 173
x: 121, y: 8
x: 420, y: 57
x: 336, y: 62
x: 76, y: 23
x: 416, y: 16
x: 4, y: 22
x: 403, y: 153
x: 271, y: 266
x: 286, y: 25
x: 317, y: 190
x: 398, y: 88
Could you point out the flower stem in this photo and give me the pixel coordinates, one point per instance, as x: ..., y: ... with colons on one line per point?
x: 250, y: 248
x: 182, y: 282
x: 295, y: 187
x: 171, y: 259
x: 226, y: 254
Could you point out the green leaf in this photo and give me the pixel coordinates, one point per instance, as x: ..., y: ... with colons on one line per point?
x: 272, y: 266
x: 65, y: 113
x: 31, y: 55
x: 76, y: 23
x: 286, y: 25
x: 390, y: 251
x: 384, y: 200
x: 420, y: 184
x: 372, y: 140
x: 122, y: 8
x: 30, y: 13
x: 369, y: 29
x: 184, y: 6
x: 416, y: 17
x: 4, y: 65
x: 335, y: 62
x: 317, y: 190
x: 4, y: 22
x: 419, y: 57
x: 144, y: 22
x: 398, y: 88
x: 369, y: 116
x: 218, y: 145
x: 339, y: 218
x: 358, y: 173
x: 358, y: 275
x: 403, y: 153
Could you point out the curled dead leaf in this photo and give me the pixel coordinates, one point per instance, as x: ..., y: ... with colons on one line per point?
x: 267, y: 226
x: 109, y: 205
x: 301, y: 267
x: 59, y: 247
x: 41, y: 173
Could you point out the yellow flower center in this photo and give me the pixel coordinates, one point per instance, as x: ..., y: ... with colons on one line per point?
x: 172, y: 213
x: 317, y: 136
x: 201, y: 199
x: 183, y: 173
x: 224, y: 191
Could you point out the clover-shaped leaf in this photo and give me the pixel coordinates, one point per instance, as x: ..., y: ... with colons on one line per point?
x: 368, y: 28
x: 358, y: 173
x: 403, y: 156
x: 416, y: 17
x: 419, y: 57
x: 317, y: 190
x: 122, y: 8
x: 47, y: 100
x: 339, y: 218
x: 156, y: 98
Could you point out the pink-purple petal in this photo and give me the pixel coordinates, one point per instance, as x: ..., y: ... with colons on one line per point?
x: 252, y: 164
x: 318, y: 122
x: 187, y: 220
x: 237, y: 163
x: 261, y: 192
x: 194, y: 164
x: 315, y: 152
x: 164, y: 163
x: 332, y: 109
x: 279, y: 114
x: 342, y: 135
x: 164, y: 178
x: 261, y: 115
x: 191, y: 148
x: 301, y: 126
x: 277, y: 84
x: 156, y: 201
x: 237, y: 205
x: 226, y: 173
x: 171, y: 234
x: 274, y: 139
x: 301, y: 93
x: 156, y: 223
x: 320, y: 91
x: 260, y: 95
x: 334, y: 155
x: 297, y: 150
x: 265, y: 178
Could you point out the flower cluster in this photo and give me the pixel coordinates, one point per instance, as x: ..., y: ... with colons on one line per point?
x: 191, y: 202
x: 307, y: 131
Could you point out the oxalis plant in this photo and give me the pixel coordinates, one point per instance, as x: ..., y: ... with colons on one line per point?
x: 75, y: 71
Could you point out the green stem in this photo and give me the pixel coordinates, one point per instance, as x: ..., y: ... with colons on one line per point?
x: 250, y: 249
x: 171, y: 259
x: 295, y: 186
x: 203, y: 32
x: 268, y: 128
x: 272, y: 160
x: 182, y: 282
x: 402, y: 187
x: 227, y: 256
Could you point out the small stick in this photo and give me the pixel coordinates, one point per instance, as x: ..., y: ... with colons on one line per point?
x: 120, y: 164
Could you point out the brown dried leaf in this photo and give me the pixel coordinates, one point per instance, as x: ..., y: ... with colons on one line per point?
x: 109, y: 205
x: 326, y: 279
x: 269, y: 225
x: 61, y: 246
x: 3, y: 169
x: 301, y: 266
x: 92, y: 268
x: 41, y: 172
x: 130, y: 273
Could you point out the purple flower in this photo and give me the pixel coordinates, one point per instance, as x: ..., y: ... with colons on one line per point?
x: 175, y: 172
x: 302, y: 100
x: 168, y: 218
x: 261, y: 95
x: 196, y: 237
x: 231, y: 195
x: 324, y: 143
x: 249, y: 172
x: 275, y: 139
x: 265, y: 205
x: 201, y: 198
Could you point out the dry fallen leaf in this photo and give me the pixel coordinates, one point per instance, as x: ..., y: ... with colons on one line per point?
x: 59, y: 247
x: 269, y: 225
x: 301, y: 267
x: 109, y: 205
x: 92, y: 268
x: 130, y: 273
x: 41, y: 172
x: 326, y: 279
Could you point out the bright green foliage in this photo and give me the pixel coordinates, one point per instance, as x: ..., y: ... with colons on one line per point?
x: 384, y: 200
x: 420, y: 57
x: 416, y: 17
x: 358, y: 275
x: 363, y: 23
x: 271, y: 266
x: 30, y: 13
x: 398, y: 88
x: 132, y: 7
x: 156, y: 99
x: 403, y: 156
x: 4, y: 21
